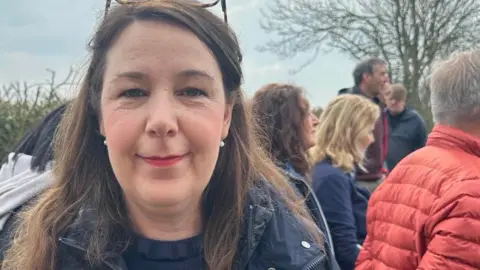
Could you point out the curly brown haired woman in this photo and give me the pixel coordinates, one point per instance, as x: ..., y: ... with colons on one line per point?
x: 286, y: 126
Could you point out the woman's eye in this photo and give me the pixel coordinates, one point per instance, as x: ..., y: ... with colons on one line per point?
x: 193, y: 92
x: 134, y: 93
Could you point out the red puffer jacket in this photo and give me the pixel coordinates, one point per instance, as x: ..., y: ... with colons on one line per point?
x: 426, y: 215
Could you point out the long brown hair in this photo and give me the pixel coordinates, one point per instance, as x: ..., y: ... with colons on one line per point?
x: 83, y: 174
x: 279, y: 116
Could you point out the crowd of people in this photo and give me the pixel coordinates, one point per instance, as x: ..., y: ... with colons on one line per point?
x: 160, y: 162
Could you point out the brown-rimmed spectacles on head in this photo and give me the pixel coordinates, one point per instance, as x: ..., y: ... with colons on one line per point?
x: 203, y: 5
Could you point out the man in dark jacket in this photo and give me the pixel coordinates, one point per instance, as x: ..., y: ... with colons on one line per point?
x: 370, y: 77
x: 406, y: 128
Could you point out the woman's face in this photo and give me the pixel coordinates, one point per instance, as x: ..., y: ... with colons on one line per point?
x: 367, y: 138
x: 310, y: 123
x: 163, y: 114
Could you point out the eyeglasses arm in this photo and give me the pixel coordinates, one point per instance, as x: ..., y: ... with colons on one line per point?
x: 224, y: 9
x: 223, y: 3
x: 107, y: 6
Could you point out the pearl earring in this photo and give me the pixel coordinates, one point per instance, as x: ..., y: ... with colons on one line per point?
x: 222, y: 143
x: 105, y: 142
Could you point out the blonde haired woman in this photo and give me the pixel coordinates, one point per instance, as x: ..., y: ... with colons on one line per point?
x: 344, y: 133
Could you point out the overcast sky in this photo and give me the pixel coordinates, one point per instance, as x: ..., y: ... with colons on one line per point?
x: 36, y: 35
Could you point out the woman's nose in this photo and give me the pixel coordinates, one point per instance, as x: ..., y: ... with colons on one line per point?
x: 162, y: 114
x: 314, y: 119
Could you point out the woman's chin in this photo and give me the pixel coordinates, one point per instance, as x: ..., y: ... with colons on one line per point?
x: 310, y: 144
x: 165, y: 198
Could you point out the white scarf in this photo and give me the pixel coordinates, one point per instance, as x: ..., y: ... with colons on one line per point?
x: 19, y: 184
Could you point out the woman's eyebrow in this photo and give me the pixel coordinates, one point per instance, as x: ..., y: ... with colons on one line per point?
x: 194, y: 73
x: 131, y: 75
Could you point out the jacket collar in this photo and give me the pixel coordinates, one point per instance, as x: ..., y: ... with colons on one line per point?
x: 266, y: 221
x: 288, y: 169
x: 450, y: 137
x: 358, y: 91
x: 79, y: 232
x: 258, y: 211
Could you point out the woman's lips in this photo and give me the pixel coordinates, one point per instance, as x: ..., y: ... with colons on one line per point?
x: 163, y: 161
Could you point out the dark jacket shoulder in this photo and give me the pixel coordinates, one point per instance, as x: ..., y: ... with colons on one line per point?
x: 345, y: 210
x: 325, y: 167
x: 284, y: 242
x: 407, y: 133
x: 271, y: 237
x: 410, y: 116
x: 345, y: 91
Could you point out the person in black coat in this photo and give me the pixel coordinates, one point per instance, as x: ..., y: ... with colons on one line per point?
x: 406, y: 129
x: 344, y: 133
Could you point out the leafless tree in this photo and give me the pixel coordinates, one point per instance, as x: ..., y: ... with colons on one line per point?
x: 22, y: 104
x: 409, y: 34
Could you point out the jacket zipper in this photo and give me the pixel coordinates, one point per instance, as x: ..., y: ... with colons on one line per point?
x: 250, y: 227
x: 315, y: 263
x: 72, y: 244
x: 250, y: 233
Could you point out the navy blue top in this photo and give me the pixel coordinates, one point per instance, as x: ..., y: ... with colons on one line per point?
x: 344, y: 205
x: 147, y: 254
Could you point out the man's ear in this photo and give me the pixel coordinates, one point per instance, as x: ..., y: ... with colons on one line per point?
x: 227, y: 120
x: 366, y: 76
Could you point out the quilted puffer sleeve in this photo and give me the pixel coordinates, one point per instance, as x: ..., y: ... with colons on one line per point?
x: 364, y: 257
x: 454, y: 230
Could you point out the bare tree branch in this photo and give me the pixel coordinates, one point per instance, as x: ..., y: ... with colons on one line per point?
x: 409, y: 34
x: 22, y: 104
